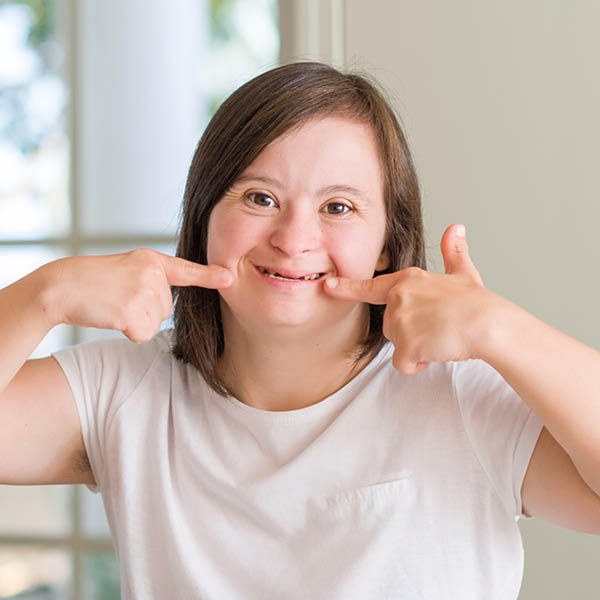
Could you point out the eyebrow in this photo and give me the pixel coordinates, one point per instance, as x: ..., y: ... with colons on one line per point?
x: 329, y: 189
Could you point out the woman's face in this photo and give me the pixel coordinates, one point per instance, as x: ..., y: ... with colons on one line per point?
x: 311, y: 204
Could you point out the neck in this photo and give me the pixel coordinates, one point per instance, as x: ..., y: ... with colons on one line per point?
x: 286, y: 369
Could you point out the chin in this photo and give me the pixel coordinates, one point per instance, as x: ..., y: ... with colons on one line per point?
x: 291, y: 321
x: 283, y: 315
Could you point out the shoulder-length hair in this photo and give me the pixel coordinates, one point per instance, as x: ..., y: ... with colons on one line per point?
x: 251, y: 118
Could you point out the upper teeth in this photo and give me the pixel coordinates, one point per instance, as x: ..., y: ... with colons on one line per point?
x: 277, y: 276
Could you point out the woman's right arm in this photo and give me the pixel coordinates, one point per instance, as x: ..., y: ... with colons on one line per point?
x: 40, y: 432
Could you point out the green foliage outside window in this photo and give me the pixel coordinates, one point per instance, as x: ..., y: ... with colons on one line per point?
x: 14, y: 124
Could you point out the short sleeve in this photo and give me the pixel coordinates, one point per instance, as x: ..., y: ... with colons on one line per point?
x: 102, y: 375
x: 503, y: 430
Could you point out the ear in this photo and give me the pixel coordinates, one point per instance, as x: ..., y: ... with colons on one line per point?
x: 383, y: 262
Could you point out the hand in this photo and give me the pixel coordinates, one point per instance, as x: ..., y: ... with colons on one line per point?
x: 127, y: 292
x: 429, y: 317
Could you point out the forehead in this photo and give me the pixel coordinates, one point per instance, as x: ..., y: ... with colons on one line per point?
x: 323, y: 152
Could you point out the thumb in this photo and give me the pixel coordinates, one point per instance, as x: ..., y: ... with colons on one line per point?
x: 455, y: 252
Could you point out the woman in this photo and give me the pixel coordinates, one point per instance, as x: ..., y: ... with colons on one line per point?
x: 273, y: 445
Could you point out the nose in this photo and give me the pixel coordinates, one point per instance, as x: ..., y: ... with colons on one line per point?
x: 295, y: 232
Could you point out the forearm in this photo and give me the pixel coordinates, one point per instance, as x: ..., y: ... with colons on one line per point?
x: 25, y: 318
x: 556, y: 375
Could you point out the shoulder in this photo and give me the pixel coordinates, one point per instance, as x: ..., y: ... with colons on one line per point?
x: 119, y: 351
x: 116, y: 365
x: 477, y: 380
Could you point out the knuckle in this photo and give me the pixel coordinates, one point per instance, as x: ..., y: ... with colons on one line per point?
x: 147, y: 267
x: 397, y: 296
x: 415, y: 272
x: 137, y: 336
x: 141, y: 333
x: 144, y: 295
x: 396, y: 292
x: 153, y: 271
x: 134, y: 337
x: 141, y: 253
x: 122, y: 322
x: 151, y: 276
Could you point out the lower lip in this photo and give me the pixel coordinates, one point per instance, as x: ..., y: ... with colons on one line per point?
x: 283, y: 284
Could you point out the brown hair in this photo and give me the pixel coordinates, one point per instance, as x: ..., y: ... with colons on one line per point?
x: 251, y: 118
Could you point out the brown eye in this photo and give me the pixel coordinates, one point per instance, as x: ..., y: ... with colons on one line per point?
x: 262, y: 200
x: 337, y: 208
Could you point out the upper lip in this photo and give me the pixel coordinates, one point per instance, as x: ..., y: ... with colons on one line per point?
x: 290, y: 274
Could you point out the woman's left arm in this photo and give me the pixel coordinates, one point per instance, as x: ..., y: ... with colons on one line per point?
x: 431, y: 317
x: 557, y: 376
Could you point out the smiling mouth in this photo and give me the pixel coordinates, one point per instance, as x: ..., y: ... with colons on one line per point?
x: 275, y: 275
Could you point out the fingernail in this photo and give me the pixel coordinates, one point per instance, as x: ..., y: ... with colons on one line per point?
x: 225, y: 276
x: 461, y: 231
x: 332, y: 282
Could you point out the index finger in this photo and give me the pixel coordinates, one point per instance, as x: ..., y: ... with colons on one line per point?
x: 373, y: 291
x: 182, y: 273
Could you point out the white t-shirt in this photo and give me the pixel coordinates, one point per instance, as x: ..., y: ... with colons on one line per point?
x: 395, y: 486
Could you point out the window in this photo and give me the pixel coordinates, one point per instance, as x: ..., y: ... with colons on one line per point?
x: 101, y: 106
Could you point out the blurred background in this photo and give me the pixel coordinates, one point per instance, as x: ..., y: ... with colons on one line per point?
x: 102, y: 104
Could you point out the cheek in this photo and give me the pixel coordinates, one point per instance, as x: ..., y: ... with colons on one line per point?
x: 355, y: 252
x: 229, y: 238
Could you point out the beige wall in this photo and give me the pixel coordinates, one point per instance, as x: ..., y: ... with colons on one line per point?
x: 501, y: 105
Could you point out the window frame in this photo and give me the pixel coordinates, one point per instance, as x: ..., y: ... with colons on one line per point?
x: 77, y: 543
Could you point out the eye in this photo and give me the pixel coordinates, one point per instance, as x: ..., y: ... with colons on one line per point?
x: 262, y: 200
x: 337, y: 208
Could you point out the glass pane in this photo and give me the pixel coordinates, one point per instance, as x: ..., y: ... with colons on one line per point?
x: 34, y: 149
x: 244, y: 41
x: 139, y: 111
x: 18, y: 261
x: 35, y: 573
x: 89, y: 334
x: 101, y: 581
x: 43, y: 510
x: 167, y: 74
